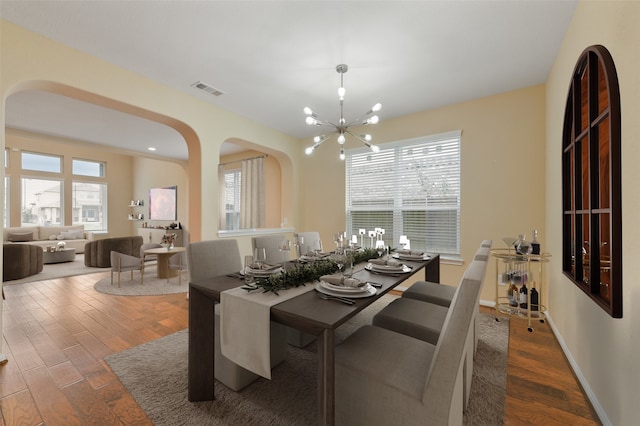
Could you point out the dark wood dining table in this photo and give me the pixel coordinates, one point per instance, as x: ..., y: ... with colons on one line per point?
x: 307, y: 313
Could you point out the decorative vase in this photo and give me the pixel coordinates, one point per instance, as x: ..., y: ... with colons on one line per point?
x: 170, y: 247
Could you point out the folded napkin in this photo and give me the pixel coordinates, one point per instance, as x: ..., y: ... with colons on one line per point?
x: 410, y: 252
x: 342, y: 281
x: 389, y: 262
x: 265, y: 267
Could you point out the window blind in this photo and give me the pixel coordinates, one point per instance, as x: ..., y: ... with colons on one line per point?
x: 411, y: 188
x: 232, y: 185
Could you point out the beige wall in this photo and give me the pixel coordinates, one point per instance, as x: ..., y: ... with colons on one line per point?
x: 502, y: 176
x: 32, y: 62
x: 118, y: 174
x: 605, y: 350
x: 151, y: 173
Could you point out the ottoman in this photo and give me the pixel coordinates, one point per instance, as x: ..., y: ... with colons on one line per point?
x: 59, y: 256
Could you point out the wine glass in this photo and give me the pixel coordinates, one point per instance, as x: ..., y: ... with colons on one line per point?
x: 260, y: 256
x: 285, y: 245
x: 248, y: 273
x: 380, y: 247
x: 339, y: 258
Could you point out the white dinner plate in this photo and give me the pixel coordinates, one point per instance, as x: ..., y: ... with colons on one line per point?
x: 410, y: 256
x: 368, y: 293
x: 385, y: 269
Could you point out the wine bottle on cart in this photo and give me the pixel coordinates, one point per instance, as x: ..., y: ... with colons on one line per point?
x: 535, y: 297
x: 523, y: 296
x: 535, y: 244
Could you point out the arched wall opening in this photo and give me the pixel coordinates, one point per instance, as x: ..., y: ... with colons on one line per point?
x: 193, y: 165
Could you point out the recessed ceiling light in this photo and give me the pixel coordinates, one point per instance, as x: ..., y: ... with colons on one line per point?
x: 151, y: 148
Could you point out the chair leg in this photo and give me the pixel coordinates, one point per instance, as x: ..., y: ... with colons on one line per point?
x: 112, y: 277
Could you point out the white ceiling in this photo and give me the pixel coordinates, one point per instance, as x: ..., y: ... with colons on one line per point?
x: 272, y: 58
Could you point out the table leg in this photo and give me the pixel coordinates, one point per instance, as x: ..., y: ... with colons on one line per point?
x: 201, y: 352
x: 326, y: 378
x: 432, y: 270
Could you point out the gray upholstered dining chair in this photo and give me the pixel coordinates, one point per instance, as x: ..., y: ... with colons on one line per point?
x: 272, y: 244
x: 310, y: 241
x: 207, y: 259
x: 121, y: 262
x: 147, y: 246
x: 178, y: 262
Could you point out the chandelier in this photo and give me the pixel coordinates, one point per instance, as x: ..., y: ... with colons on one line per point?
x: 342, y: 127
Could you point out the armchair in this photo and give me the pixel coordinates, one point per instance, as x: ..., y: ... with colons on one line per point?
x: 178, y: 262
x: 121, y: 262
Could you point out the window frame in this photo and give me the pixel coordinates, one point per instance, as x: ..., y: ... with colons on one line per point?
x: 393, y: 215
x: 592, y: 181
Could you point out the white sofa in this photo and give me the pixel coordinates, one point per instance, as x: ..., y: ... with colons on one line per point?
x: 45, y: 236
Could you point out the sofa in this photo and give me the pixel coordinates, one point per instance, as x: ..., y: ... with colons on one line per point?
x: 73, y: 236
x: 98, y: 253
x: 20, y: 261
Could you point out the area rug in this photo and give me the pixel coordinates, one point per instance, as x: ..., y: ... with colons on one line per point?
x: 155, y: 374
x: 59, y: 270
x: 151, y: 285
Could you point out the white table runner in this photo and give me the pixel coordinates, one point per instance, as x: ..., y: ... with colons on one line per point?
x: 245, y: 326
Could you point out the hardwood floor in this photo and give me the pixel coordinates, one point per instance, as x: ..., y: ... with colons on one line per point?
x: 57, y: 333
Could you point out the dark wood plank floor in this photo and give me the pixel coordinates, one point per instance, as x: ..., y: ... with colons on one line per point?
x: 57, y: 333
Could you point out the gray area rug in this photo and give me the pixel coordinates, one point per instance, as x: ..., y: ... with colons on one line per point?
x: 152, y: 286
x: 59, y: 270
x: 155, y: 373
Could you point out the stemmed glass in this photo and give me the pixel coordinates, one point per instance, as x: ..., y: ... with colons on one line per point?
x: 340, y: 258
x: 380, y: 247
x: 509, y: 241
x: 259, y: 256
x: 285, y: 245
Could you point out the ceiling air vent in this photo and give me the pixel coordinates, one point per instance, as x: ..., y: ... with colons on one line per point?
x: 209, y: 89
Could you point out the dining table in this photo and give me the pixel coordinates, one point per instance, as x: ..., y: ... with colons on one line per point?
x: 307, y: 312
x: 163, y: 254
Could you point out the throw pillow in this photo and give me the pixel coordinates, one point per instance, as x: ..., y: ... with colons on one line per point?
x: 20, y: 237
x: 68, y: 235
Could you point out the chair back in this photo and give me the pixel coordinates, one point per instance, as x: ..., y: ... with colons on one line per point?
x: 311, y: 242
x: 206, y: 259
x: 148, y: 246
x: 271, y: 244
x: 178, y: 261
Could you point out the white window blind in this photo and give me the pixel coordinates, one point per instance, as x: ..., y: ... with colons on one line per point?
x: 411, y: 188
x: 232, y: 186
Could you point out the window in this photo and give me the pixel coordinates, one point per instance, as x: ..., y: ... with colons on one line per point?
x: 591, y: 181
x: 410, y: 188
x: 88, y: 168
x: 89, y: 201
x: 232, y: 189
x: 41, y: 202
x: 41, y: 162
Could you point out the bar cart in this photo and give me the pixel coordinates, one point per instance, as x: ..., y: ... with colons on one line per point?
x: 513, y: 272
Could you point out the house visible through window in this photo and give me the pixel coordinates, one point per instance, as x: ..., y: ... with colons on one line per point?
x: 410, y: 188
x: 41, y: 202
x: 90, y: 205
